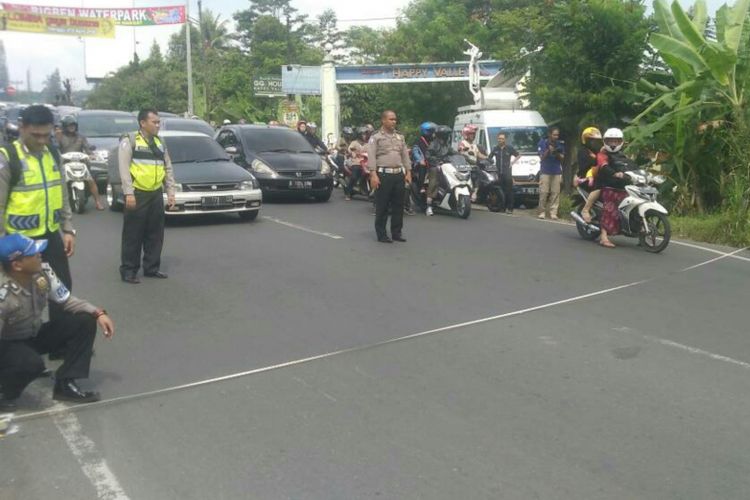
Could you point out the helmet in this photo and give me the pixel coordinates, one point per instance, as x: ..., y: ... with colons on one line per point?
x: 312, y: 126
x: 613, y: 133
x: 227, y: 121
x: 427, y: 129
x: 443, y: 132
x: 590, y: 133
x: 348, y: 133
x: 469, y: 130
x: 69, y: 120
x: 362, y: 131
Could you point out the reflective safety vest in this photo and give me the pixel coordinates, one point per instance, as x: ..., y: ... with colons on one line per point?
x: 35, y: 202
x: 146, y: 168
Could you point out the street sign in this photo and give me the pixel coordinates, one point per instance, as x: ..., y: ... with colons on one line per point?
x: 300, y: 80
x: 268, y: 86
x: 10, y: 91
x: 410, y: 73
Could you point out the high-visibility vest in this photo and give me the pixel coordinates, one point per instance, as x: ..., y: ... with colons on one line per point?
x: 146, y: 168
x: 35, y: 202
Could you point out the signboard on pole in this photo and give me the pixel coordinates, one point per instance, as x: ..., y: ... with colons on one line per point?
x: 142, y: 16
x: 56, y: 25
x: 300, y: 80
x: 289, y: 113
x: 267, y: 86
x: 398, y: 73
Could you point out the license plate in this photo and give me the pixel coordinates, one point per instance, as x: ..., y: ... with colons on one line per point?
x: 215, y: 201
x: 300, y: 184
x: 530, y: 190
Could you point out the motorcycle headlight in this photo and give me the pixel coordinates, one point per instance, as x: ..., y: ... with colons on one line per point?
x: 12, y: 126
x: 246, y: 185
x: 260, y: 167
x: 325, y: 168
x: 101, y: 155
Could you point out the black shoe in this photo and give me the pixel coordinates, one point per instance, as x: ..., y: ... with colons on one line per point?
x: 410, y: 212
x: 157, y: 274
x: 399, y: 238
x: 8, y: 405
x: 131, y: 278
x: 385, y: 239
x: 68, y: 390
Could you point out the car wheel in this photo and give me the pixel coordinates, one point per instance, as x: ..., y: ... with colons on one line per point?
x: 114, y: 204
x: 324, y: 197
x: 249, y: 215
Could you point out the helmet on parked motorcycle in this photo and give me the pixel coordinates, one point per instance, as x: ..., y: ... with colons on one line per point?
x: 613, y: 140
x: 443, y: 132
x: 69, y: 120
x: 590, y: 133
x: 469, y: 131
x: 427, y: 129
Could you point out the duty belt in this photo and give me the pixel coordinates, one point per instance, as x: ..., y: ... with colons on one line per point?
x: 387, y: 170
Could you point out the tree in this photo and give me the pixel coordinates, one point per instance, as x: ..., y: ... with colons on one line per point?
x: 4, y: 78
x: 52, y: 91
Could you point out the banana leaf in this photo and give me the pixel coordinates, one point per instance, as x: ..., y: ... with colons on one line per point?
x: 665, y: 20
x: 700, y: 15
x: 735, y: 21
x: 673, y: 47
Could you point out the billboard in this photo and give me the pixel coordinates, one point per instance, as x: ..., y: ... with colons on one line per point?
x: 48, y: 24
x: 300, y: 80
x: 267, y: 86
x: 141, y: 16
x: 430, y: 72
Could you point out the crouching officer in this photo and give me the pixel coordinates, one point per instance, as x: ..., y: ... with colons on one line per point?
x: 390, y: 169
x: 25, y: 287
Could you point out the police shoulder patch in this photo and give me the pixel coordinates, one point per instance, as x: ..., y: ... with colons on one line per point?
x: 3, y: 292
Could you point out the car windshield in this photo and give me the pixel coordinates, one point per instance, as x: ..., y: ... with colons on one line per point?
x: 189, y: 126
x: 194, y: 149
x: 13, y: 113
x: 102, y: 125
x: 275, y: 140
x: 524, y: 139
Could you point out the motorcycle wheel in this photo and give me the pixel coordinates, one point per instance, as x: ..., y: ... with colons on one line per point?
x: 463, y: 206
x: 77, y: 200
x: 659, y: 232
x: 584, y: 232
x: 495, y: 200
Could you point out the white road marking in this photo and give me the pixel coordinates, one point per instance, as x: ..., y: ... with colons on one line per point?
x: 695, y: 350
x: 723, y: 256
x: 302, y: 228
x: 84, y: 450
x: 711, y: 250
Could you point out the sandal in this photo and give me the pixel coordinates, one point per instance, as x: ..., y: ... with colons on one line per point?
x: 607, y: 244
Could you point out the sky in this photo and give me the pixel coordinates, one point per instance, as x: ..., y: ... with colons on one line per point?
x: 43, y: 53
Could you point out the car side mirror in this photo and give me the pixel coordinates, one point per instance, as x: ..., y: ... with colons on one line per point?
x: 231, y: 150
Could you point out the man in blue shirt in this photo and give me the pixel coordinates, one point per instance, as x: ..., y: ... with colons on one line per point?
x: 552, y: 152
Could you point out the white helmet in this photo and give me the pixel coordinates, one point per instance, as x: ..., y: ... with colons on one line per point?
x: 227, y: 121
x: 613, y: 133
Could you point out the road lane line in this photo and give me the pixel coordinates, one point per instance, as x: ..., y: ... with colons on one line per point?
x: 712, y: 250
x: 84, y: 450
x: 578, y: 298
x: 302, y: 228
x: 724, y: 256
x: 696, y: 350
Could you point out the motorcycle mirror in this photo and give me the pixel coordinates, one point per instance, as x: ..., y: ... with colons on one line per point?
x: 232, y: 150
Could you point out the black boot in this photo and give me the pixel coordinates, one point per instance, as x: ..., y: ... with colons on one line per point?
x: 68, y: 390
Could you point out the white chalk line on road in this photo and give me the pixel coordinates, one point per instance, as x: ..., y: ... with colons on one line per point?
x: 696, y: 350
x: 302, y: 228
x: 723, y: 256
x: 141, y: 395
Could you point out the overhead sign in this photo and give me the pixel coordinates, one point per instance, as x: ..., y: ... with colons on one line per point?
x: 142, y: 16
x: 267, y: 86
x: 56, y: 25
x: 300, y: 80
x: 430, y: 72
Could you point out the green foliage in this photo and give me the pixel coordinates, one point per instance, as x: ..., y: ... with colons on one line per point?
x: 53, y: 90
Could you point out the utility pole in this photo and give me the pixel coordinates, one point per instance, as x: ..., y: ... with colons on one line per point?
x: 28, y: 80
x: 189, y: 60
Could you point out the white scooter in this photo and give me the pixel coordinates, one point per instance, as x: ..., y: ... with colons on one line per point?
x: 454, y: 187
x: 641, y: 216
x: 76, y: 171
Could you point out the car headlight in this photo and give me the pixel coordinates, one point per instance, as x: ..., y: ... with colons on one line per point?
x: 246, y: 185
x: 12, y: 126
x: 260, y: 167
x: 101, y: 155
x: 178, y: 188
x: 325, y: 168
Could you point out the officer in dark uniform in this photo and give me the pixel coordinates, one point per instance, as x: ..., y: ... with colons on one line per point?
x: 390, y: 170
x: 25, y: 287
x: 145, y: 171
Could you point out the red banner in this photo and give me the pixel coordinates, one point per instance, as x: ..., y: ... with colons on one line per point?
x: 143, y: 16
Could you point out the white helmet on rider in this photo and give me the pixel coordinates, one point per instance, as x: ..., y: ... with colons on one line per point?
x: 613, y: 140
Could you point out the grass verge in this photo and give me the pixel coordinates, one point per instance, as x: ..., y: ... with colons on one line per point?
x: 721, y: 228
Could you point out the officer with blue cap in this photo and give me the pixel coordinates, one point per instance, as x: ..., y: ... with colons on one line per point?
x: 26, y: 286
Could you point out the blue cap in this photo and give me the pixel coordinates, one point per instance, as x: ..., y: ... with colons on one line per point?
x: 14, y: 246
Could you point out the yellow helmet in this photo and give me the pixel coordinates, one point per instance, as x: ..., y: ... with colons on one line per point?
x: 590, y: 133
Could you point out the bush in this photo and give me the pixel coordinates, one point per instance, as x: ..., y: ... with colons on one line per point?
x: 725, y: 228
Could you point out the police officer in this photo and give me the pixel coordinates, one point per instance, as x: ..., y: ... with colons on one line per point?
x: 390, y: 169
x: 25, y: 287
x: 33, y: 198
x: 145, y: 168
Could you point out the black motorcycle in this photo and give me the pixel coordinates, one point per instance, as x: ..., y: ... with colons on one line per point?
x: 486, y: 178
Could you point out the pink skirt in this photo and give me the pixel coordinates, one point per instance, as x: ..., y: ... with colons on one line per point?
x: 611, y: 215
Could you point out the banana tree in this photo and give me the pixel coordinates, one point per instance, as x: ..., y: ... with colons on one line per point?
x: 711, y: 81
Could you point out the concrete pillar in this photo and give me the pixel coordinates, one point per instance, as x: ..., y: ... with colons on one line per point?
x: 329, y: 97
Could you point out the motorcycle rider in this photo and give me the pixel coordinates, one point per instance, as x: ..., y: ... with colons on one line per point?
x: 591, y: 138
x: 437, y: 151
x: 467, y: 147
x: 342, y: 147
x: 610, y: 178
x: 70, y: 141
x: 358, y: 155
x: 419, y: 152
x: 309, y: 135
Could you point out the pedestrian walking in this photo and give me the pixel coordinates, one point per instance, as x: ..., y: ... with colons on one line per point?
x: 145, y: 171
x: 25, y: 287
x: 390, y: 170
x: 552, y: 153
x: 33, y: 198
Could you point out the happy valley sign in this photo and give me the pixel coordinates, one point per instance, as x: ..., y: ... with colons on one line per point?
x: 432, y: 72
x: 143, y: 16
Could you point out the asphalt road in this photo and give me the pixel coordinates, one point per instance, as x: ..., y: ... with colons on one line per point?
x: 496, y: 357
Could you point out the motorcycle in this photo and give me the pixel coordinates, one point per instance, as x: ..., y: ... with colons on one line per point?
x: 454, y: 187
x: 75, y: 167
x: 641, y: 215
x: 362, y: 187
x: 486, y: 178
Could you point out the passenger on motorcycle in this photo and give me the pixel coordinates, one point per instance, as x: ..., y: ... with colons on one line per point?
x: 358, y: 155
x: 69, y: 141
x: 591, y: 138
x: 610, y: 178
x: 438, y: 150
x: 342, y: 147
x: 309, y: 134
x: 419, y: 152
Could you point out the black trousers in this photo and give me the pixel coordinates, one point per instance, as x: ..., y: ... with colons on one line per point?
x: 353, y: 179
x: 143, y: 230
x: 20, y: 360
x: 506, y: 184
x: 55, y: 256
x: 390, y: 195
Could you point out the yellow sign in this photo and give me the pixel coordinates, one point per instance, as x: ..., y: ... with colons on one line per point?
x: 56, y: 25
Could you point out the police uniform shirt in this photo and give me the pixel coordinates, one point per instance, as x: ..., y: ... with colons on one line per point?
x: 66, y: 216
x: 21, y: 309
x: 388, y: 151
x: 124, y: 158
